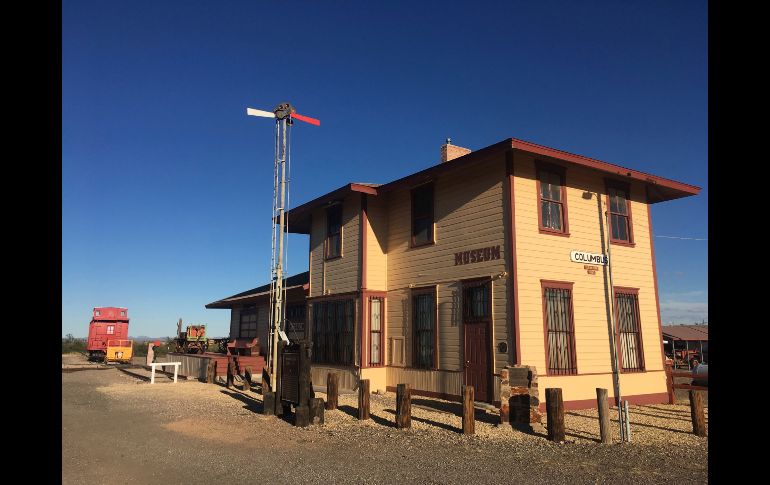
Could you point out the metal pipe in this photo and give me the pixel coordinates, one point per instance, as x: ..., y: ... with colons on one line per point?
x: 611, y: 308
x: 628, y: 421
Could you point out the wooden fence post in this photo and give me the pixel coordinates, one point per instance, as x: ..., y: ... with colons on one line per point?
x: 554, y: 406
x: 229, y: 374
x: 211, y: 372
x: 403, y: 406
x: 469, y: 418
x: 363, y: 399
x: 249, y: 375
x: 670, y: 383
x: 332, y: 391
x: 604, y: 415
x: 247, y: 379
x: 316, y: 410
x: 697, y: 413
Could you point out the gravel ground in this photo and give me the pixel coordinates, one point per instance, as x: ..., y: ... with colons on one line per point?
x: 193, y: 432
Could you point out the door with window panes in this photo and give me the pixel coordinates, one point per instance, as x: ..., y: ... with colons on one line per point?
x: 477, y: 318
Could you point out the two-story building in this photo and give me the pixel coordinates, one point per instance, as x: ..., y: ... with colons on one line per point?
x: 493, y: 257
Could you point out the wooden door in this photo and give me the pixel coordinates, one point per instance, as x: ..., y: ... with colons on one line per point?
x: 477, y: 318
x: 476, y: 361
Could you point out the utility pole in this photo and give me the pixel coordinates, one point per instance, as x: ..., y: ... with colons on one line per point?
x: 604, y: 216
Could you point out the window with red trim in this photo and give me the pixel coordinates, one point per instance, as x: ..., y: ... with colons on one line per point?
x: 552, y: 200
x: 629, y: 331
x: 620, y: 215
x: 422, y: 215
x: 424, y: 324
x: 560, y: 328
x: 334, y: 231
x: 376, y: 308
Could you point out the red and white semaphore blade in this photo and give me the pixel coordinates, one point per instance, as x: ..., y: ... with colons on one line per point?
x: 306, y: 119
x: 259, y: 112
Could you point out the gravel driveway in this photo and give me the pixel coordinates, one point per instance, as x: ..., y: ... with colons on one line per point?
x: 119, y: 429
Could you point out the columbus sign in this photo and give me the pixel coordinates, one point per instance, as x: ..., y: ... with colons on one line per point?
x: 590, y: 258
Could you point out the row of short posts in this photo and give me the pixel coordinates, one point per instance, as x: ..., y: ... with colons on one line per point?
x: 403, y: 403
x: 554, y: 406
x: 553, y: 400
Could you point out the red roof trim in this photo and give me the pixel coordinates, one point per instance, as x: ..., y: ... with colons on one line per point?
x: 603, y: 166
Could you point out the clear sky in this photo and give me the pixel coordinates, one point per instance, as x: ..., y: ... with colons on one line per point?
x: 167, y: 184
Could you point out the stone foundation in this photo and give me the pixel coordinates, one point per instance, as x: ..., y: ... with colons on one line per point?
x: 520, y: 398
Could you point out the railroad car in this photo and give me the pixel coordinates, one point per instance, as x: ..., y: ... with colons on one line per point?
x: 119, y: 351
x: 107, y: 323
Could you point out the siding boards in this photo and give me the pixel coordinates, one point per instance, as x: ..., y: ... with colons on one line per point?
x: 425, y: 380
x: 545, y: 256
x: 342, y: 274
x: 468, y: 213
x: 376, y: 244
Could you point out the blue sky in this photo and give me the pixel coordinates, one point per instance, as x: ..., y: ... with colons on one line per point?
x: 166, y: 183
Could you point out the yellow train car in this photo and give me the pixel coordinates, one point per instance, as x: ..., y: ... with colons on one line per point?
x: 119, y: 351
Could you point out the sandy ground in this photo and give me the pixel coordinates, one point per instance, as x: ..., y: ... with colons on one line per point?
x: 118, y: 428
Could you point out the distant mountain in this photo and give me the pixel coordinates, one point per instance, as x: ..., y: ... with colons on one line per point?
x: 146, y: 338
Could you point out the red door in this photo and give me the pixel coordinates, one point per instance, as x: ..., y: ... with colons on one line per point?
x: 477, y: 318
x: 476, y: 362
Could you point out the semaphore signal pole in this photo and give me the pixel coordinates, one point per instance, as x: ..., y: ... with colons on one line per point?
x: 284, y: 115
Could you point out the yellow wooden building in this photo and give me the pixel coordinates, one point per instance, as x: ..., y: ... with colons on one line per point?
x: 512, y: 254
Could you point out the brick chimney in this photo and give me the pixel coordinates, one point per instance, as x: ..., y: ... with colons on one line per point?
x: 450, y: 152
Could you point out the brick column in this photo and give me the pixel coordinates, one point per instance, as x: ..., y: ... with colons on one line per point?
x: 520, y: 397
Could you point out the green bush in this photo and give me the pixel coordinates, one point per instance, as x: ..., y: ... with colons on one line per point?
x: 73, y: 345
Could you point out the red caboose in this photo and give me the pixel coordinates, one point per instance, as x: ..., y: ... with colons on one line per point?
x: 107, y: 323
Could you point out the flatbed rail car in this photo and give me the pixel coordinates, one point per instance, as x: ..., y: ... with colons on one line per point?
x: 107, y: 323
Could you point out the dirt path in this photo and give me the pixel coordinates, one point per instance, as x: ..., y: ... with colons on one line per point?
x: 116, y: 429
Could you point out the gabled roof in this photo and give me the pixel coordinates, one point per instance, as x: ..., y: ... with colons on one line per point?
x: 299, y: 217
x: 686, y: 332
x: 659, y: 189
x: 300, y: 280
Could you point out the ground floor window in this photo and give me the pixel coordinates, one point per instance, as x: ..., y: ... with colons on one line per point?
x: 295, y: 318
x: 247, y: 327
x: 424, y: 324
x: 629, y: 331
x: 560, y: 338
x: 375, y: 331
x: 333, y: 332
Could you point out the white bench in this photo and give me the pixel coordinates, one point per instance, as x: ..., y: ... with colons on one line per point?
x: 155, y: 365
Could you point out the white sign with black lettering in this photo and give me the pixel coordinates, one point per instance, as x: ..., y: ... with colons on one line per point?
x: 590, y: 258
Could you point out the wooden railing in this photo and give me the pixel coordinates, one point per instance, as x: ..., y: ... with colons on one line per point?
x: 670, y: 374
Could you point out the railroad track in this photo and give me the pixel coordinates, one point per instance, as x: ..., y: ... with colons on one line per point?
x: 67, y: 370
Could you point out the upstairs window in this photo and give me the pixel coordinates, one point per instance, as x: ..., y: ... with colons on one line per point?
x: 552, y: 203
x: 334, y: 231
x: 122, y: 313
x: 248, y: 323
x: 620, y: 214
x: 98, y: 313
x: 422, y: 215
